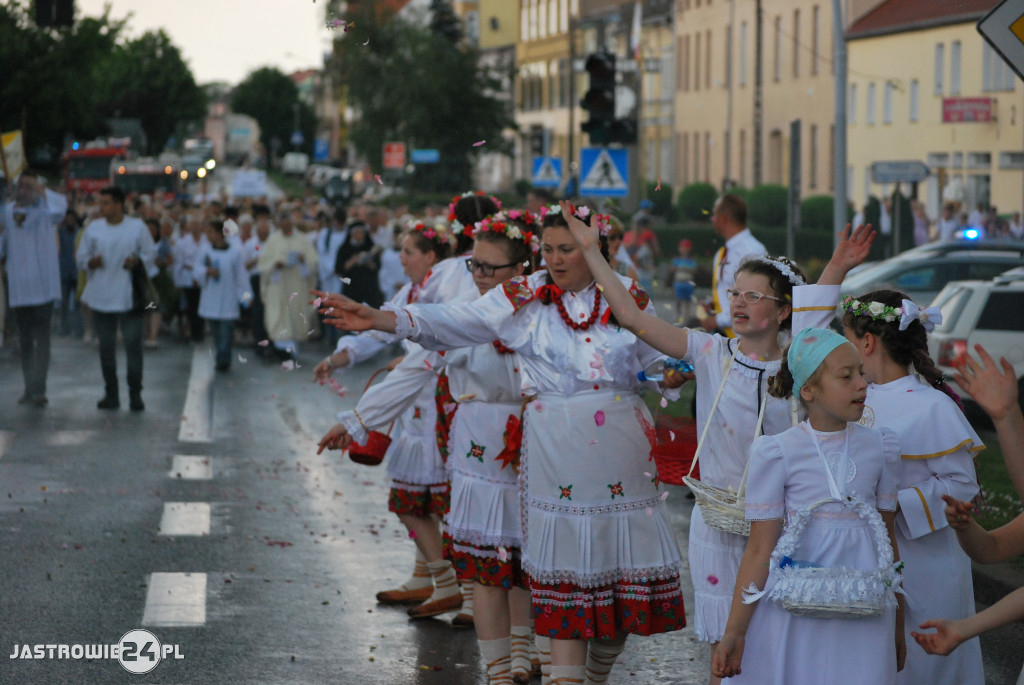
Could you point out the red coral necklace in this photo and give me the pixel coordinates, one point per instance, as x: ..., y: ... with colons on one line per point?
x: 556, y: 297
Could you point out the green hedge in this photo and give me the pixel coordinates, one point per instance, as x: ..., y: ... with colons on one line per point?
x: 696, y: 201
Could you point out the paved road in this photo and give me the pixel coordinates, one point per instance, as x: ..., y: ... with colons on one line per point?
x: 256, y: 558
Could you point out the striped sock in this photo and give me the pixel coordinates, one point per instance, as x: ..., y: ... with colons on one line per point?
x: 445, y: 583
x: 521, y: 665
x: 495, y: 654
x: 420, y: 574
x: 467, y: 597
x: 568, y: 675
x: 601, y: 657
x: 544, y: 652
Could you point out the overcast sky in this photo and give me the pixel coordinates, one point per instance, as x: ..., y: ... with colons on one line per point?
x: 223, y: 40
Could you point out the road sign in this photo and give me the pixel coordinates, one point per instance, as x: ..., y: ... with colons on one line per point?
x: 1003, y: 28
x: 604, y: 172
x: 899, y: 172
x: 321, y: 149
x: 394, y: 155
x: 425, y: 156
x: 547, y: 172
x: 298, y: 138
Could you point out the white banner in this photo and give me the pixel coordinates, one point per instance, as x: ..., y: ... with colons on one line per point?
x: 14, y: 153
x: 249, y: 183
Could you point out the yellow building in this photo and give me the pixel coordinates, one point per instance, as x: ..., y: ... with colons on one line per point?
x: 542, y: 84
x: 497, y: 25
x: 924, y: 85
x: 715, y: 115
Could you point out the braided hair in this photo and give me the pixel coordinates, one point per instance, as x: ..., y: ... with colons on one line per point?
x: 905, y: 347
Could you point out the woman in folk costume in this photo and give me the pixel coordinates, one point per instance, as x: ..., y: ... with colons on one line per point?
x: 939, y: 445
x: 483, y: 533
x: 736, y: 371
x: 601, y: 557
x: 815, y: 602
x: 287, y: 265
x: 419, y: 482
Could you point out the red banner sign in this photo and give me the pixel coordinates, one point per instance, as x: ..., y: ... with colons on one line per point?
x: 959, y: 110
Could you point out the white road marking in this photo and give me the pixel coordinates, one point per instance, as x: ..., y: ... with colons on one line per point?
x: 191, y: 468
x: 185, y: 518
x: 175, y: 600
x: 6, y: 440
x: 69, y: 438
x: 196, y: 418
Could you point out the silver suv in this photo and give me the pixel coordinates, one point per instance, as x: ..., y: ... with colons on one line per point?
x: 987, y: 312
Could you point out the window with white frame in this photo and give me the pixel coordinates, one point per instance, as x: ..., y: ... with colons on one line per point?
x: 887, y: 103
x: 996, y: 74
x: 743, y: 54
x: 851, y: 114
x: 915, y: 99
x: 940, y: 67
x: 869, y: 117
x: 778, y: 49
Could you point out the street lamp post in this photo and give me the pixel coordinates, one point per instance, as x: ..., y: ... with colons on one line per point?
x: 839, y: 215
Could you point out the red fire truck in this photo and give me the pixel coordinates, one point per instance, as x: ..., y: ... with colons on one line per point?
x: 87, y: 167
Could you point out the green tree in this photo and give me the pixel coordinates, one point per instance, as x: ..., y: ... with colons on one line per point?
x: 271, y: 98
x: 410, y: 84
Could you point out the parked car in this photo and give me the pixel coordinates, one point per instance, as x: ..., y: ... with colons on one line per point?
x: 923, y: 271
x: 987, y: 312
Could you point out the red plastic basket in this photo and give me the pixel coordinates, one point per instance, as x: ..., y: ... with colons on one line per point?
x: 677, y: 443
x: 372, y: 452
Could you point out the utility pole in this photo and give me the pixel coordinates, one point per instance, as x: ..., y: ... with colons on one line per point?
x: 570, y: 163
x: 839, y: 216
x: 758, y: 89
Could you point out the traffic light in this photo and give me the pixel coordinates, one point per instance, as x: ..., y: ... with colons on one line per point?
x: 55, y: 13
x: 599, y: 99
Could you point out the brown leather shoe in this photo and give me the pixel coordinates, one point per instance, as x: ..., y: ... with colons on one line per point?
x: 462, y: 620
x: 403, y: 596
x: 437, y: 607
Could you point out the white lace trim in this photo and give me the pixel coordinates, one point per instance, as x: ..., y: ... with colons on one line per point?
x: 589, y: 580
x: 461, y: 543
x: 403, y: 321
x: 593, y: 510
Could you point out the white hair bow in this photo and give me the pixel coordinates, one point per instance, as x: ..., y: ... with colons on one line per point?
x: 929, y: 316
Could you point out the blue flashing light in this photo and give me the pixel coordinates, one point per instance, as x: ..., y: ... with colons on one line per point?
x: 972, y: 234
x: 74, y: 145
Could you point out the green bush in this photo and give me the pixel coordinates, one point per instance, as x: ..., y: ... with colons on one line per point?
x: 662, y: 200
x: 766, y: 205
x: 695, y: 202
x: 816, y: 213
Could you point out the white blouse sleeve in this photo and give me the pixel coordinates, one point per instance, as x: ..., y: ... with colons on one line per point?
x: 889, y: 482
x: 448, y: 326
x: 814, y: 306
x: 921, y: 505
x: 766, y: 480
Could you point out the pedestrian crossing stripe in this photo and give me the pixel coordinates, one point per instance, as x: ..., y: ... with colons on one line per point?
x: 606, y: 172
x: 547, y: 172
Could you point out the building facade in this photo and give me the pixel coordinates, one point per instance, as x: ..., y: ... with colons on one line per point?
x: 925, y: 86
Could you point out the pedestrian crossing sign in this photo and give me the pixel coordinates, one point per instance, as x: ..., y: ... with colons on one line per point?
x: 604, y: 172
x: 547, y: 172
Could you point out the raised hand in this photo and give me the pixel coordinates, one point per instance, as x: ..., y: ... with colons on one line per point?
x: 337, y: 438
x: 851, y: 250
x: 586, y: 236
x: 958, y: 513
x: 995, y: 391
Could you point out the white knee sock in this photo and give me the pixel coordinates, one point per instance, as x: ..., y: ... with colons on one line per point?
x: 420, y: 574
x: 544, y: 652
x: 467, y: 597
x: 568, y: 675
x: 521, y: 664
x: 601, y: 656
x: 495, y: 654
x: 445, y: 582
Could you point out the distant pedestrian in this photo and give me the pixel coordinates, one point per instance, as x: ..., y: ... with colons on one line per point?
x: 947, y: 222
x: 1016, y: 228
x: 111, y: 247
x: 683, y: 268
x: 28, y: 246
x: 186, y: 249
x: 921, y: 223
x: 225, y: 285
x: 67, y: 233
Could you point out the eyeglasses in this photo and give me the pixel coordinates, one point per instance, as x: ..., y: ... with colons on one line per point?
x: 749, y: 296
x: 486, y: 270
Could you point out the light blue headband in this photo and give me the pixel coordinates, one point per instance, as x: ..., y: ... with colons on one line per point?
x: 808, y: 350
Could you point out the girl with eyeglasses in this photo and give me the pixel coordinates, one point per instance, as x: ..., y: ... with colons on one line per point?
x: 736, y: 368
x: 585, y: 467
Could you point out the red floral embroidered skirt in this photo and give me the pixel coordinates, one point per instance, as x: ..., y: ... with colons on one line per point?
x: 564, y: 611
x: 407, y: 499
x: 494, y: 566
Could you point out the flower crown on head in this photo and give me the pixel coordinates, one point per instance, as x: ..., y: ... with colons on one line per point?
x: 603, y: 222
x: 437, y: 233
x: 500, y: 223
x: 907, y: 314
x: 455, y: 200
x: 782, y: 268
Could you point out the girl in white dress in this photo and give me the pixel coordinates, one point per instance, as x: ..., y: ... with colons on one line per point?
x: 740, y: 368
x: 602, y: 559
x: 939, y: 446
x: 825, y: 477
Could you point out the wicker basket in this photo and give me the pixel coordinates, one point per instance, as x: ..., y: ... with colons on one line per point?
x: 673, y: 454
x: 722, y: 508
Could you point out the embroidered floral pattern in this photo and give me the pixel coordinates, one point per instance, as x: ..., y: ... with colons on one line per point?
x: 616, y: 489
x: 518, y: 292
x: 566, y: 492
x: 417, y: 500
x: 483, y: 564
x: 446, y: 407
x: 476, y: 452
x: 640, y: 295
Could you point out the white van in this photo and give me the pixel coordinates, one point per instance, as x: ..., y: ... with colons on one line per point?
x: 295, y: 163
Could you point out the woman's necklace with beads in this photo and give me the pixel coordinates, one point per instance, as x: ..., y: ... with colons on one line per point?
x: 578, y: 325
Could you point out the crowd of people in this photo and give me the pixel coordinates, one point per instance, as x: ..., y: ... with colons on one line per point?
x: 832, y: 530
x: 955, y: 221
